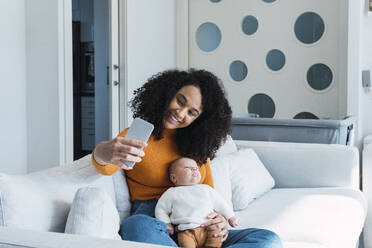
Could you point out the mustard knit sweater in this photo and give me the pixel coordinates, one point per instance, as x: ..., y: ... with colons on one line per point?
x: 149, y: 178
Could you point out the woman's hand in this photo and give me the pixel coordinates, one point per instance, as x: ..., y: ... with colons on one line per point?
x: 217, y: 221
x: 119, y: 150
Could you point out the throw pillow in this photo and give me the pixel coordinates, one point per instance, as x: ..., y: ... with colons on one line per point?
x: 123, y: 203
x: 93, y: 213
x: 221, y: 177
x: 249, y: 177
x: 42, y: 200
x: 227, y: 147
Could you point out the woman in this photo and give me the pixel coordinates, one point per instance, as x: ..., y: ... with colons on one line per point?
x: 191, y: 118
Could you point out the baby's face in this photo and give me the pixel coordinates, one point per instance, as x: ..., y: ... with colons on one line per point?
x: 185, y: 172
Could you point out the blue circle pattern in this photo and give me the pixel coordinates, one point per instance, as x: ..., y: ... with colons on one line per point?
x: 275, y: 59
x: 208, y: 36
x: 309, y: 28
x: 262, y: 105
x: 249, y: 25
x: 319, y: 76
x: 238, y: 70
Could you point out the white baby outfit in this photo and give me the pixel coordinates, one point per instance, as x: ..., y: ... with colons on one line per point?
x: 188, y: 206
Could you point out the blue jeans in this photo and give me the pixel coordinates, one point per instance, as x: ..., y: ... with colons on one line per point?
x: 141, y: 226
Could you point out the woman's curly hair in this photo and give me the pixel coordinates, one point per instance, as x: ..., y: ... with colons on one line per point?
x: 201, y: 139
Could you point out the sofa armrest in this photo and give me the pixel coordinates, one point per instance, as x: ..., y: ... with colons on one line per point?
x: 11, y: 237
x: 305, y: 165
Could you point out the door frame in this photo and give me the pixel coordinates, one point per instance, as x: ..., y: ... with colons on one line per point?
x: 65, y: 82
x: 123, y: 96
x: 65, y: 78
x: 114, y: 118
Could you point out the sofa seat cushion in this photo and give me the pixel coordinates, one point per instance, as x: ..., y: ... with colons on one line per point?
x: 332, y: 217
x: 42, y: 200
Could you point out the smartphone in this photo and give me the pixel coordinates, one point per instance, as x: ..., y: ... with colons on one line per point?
x: 139, y: 130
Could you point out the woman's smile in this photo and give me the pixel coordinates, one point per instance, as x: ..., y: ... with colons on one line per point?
x: 173, y: 118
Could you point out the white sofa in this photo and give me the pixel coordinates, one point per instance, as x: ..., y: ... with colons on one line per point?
x: 367, y: 188
x: 316, y: 202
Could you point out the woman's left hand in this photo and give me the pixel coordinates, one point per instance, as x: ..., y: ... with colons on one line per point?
x: 217, y: 221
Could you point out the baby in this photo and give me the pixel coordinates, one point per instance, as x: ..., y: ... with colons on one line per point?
x: 188, y: 204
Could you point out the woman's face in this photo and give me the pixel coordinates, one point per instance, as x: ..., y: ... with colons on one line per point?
x: 184, y: 108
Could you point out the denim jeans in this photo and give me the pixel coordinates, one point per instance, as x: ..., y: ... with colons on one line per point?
x: 141, y: 226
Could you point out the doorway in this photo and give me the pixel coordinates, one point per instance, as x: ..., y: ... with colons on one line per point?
x: 93, y: 74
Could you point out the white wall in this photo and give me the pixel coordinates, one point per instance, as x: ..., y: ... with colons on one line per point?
x: 366, y: 64
x: 42, y: 84
x: 151, y: 44
x: 13, y: 124
x: 29, y: 73
x: 366, y: 111
x: 29, y: 111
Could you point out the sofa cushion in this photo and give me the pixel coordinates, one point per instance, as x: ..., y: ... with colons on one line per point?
x: 22, y: 238
x: 42, y: 200
x: 308, y: 165
x: 302, y: 245
x: 93, y: 213
x: 227, y: 147
x: 122, y: 196
x: 249, y: 177
x: 332, y: 217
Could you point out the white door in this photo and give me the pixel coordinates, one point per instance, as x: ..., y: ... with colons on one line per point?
x: 276, y: 58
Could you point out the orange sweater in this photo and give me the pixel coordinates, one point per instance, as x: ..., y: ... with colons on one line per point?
x: 149, y: 178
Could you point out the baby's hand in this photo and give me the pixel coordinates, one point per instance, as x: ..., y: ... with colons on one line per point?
x: 170, y: 228
x: 234, y: 221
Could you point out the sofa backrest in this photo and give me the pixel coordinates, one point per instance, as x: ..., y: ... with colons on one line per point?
x: 302, y: 165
